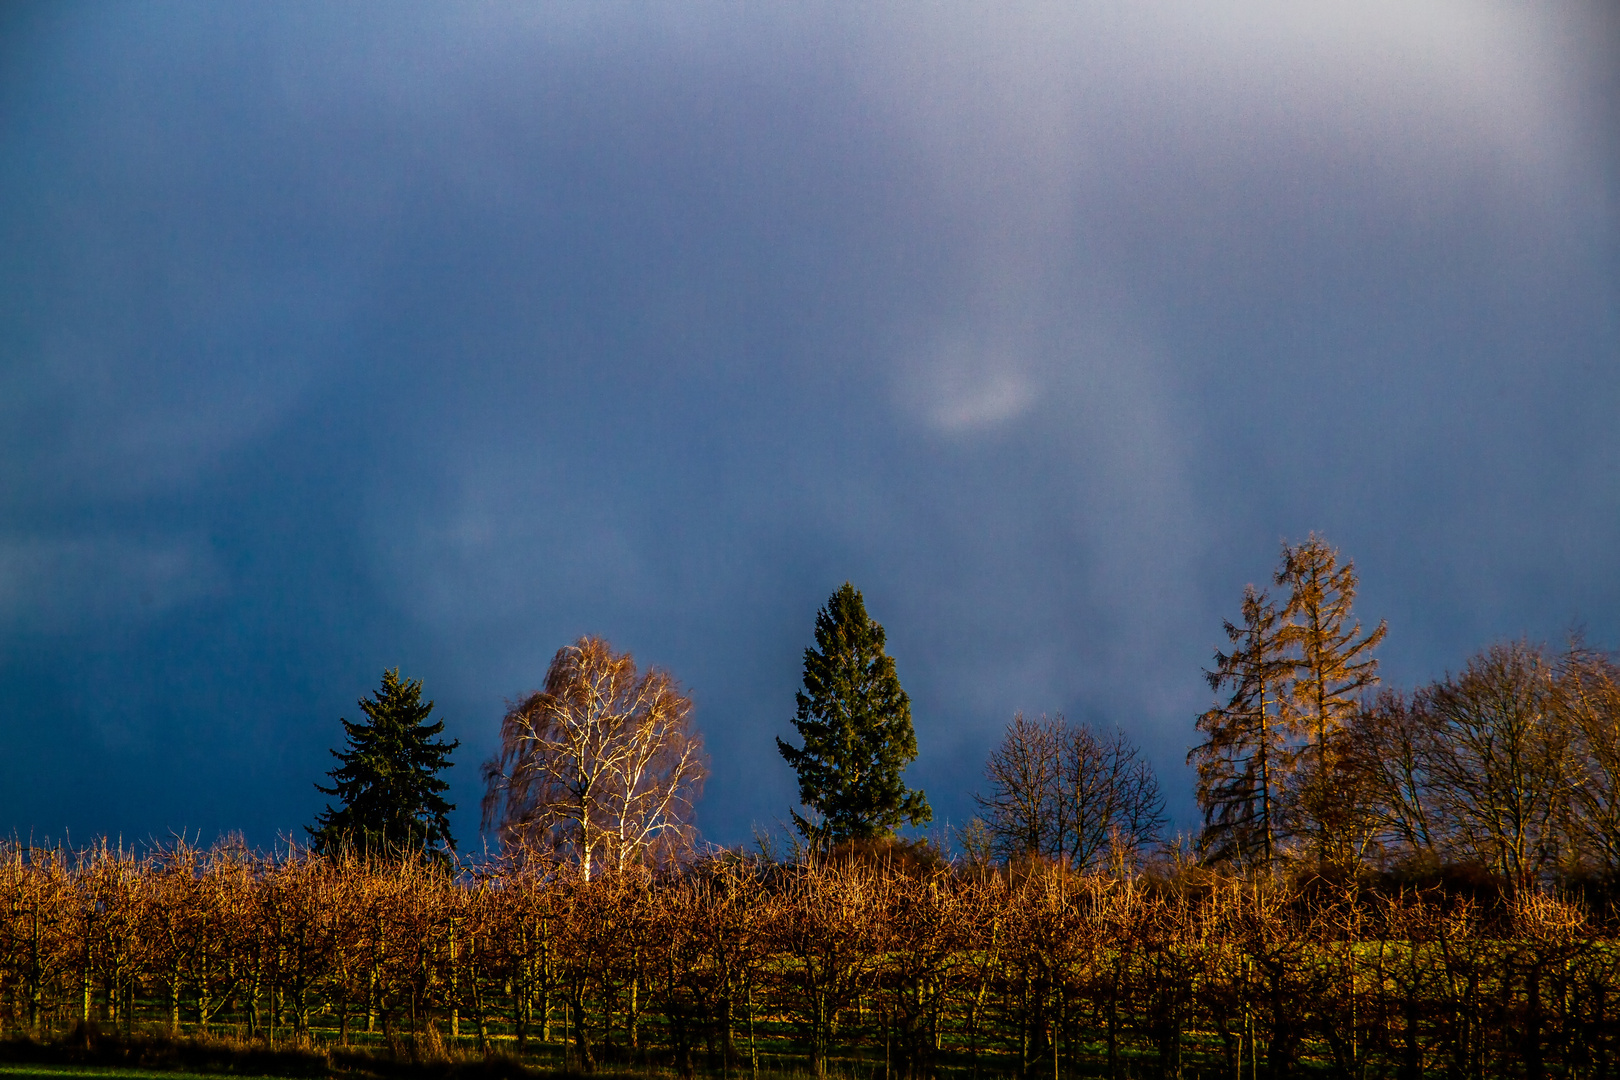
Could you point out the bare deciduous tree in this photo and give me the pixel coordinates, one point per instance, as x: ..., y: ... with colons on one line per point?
x: 1021, y: 809
x: 1062, y: 791
x: 601, y: 766
x: 1109, y: 803
x: 1589, y: 687
x: 1391, y: 750
x: 1499, y: 758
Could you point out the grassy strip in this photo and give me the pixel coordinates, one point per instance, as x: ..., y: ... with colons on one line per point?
x: 49, y: 1072
x: 88, y: 1051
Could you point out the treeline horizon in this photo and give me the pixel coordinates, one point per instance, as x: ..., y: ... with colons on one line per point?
x: 1507, y: 766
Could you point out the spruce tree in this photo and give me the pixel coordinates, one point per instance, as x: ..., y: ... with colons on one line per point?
x: 388, y: 785
x: 855, y: 721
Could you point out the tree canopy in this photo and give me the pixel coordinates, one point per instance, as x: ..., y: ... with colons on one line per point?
x: 602, y: 767
x: 1068, y: 793
x: 1244, y: 763
x: 1278, y: 768
x: 855, y: 721
x: 390, y: 794
x: 1334, y: 667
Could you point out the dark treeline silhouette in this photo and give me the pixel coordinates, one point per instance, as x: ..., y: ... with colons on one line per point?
x: 882, y: 960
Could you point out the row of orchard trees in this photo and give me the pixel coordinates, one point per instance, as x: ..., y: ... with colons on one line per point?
x: 728, y: 964
x: 1511, y: 764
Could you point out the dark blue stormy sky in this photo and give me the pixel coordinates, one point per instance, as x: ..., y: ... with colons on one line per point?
x: 339, y: 337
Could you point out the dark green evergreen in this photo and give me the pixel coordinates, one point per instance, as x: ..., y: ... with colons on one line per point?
x: 392, y: 797
x: 855, y: 721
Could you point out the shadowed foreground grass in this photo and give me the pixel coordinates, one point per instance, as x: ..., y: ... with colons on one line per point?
x: 89, y: 1051
x: 50, y: 1072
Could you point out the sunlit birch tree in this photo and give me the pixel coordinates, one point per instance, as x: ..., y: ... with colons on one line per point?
x: 601, y: 767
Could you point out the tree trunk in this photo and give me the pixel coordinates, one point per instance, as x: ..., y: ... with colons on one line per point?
x: 582, y: 1036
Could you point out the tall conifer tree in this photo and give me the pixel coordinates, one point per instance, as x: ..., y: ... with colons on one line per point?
x: 855, y: 721
x: 388, y: 784
x: 1333, y: 666
x: 1244, y: 763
